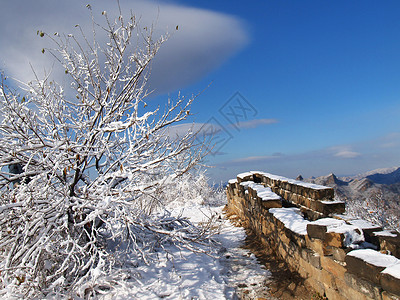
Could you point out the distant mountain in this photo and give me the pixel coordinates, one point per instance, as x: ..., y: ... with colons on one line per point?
x: 329, y: 180
x: 376, y: 171
x: 374, y: 195
x: 386, y: 178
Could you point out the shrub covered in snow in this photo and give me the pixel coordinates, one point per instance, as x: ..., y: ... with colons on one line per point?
x: 376, y: 209
x: 95, y: 167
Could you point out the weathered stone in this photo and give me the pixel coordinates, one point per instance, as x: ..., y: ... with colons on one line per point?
x: 368, y: 229
x: 389, y: 296
x: 334, y: 267
x: 315, y: 244
x: 257, y: 178
x: 369, y: 289
x: 390, y: 283
x: 339, y: 254
x: 324, y: 194
x: 363, y: 269
x: 309, y: 254
x: 248, y: 177
x: 391, y: 244
x: 333, y: 293
x: 315, y: 260
x: 316, y: 231
x: 310, y: 214
x: 328, y: 208
x: 271, y: 204
x: 334, y: 239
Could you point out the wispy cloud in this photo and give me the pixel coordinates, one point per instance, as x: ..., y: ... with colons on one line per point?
x: 200, y: 129
x: 344, y: 152
x: 391, y: 140
x: 347, y: 154
x: 254, y: 123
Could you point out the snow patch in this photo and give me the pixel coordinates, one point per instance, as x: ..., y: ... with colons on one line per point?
x: 331, y: 201
x: 292, y: 219
x: 388, y: 233
x: 374, y: 257
x: 232, y: 181
x: 265, y: 193
x: 393, y: 270
x: 363, y: 224
x: 243, y: 175
x: 183, y: 274
x: 292, y: 181
x: 352, y: 234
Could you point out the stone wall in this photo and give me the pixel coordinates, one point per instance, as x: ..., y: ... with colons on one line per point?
x: 304, y: 226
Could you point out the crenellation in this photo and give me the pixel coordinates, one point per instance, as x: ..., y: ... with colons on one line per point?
x: 322, y: 251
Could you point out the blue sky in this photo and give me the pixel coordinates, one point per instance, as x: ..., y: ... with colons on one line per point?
x: 327, y: 72
x: 320, y: 79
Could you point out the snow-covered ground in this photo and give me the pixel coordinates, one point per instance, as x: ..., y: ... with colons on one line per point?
x: 229, y: 272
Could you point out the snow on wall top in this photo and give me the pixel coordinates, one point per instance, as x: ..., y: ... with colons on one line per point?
x: 352, y: 234
x: 243, y: 175
x: 385, y: 233
x: 292, y: 219
x: 374, y: 257
x: 265, y: 193
x: 393, y: 270
x: 292, y: 181
x: 363, y: 224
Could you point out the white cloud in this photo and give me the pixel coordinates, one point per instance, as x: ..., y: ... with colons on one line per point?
x: 343, y: 151
x: 347, y: 154
x: 254, y: 123
x: 205, y: 39
x: 181, y: 130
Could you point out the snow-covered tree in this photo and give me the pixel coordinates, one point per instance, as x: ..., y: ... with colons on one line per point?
x: 92, y: 161
x: 376, y: 208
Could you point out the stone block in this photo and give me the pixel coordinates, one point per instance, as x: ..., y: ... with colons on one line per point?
x: 339, y: 254
x: 327, y: 208
x: 334, y: 239
x: 368, y: 229
x: 315, y: 260
x: 317, y: 286
x: 248, y: 177
x: 316, y: 231
x: 390, y: 279
x: 333, y: 293
x: 323, y: 194
x: 292, y: 198
x: 365, y: 287
x: 310, y: 214
x: 315, y: 244
x: 391, y: 244
x: 257, y: 178
x: 389, y: 296
x: 338, y: 269
x: 271, y: 204
x: 302, y: 200
x: 301, y: 190
x: 326, y: 278
x: 363, y: 269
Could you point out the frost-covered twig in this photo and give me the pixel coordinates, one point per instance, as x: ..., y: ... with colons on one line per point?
x: 94, y: 163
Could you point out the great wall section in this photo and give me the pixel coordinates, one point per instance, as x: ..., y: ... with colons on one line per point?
x: 339, y: 257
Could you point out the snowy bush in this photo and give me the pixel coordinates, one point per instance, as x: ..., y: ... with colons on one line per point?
x: 193, y: 187
x: 94, y: 164
x: 376, y: 209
